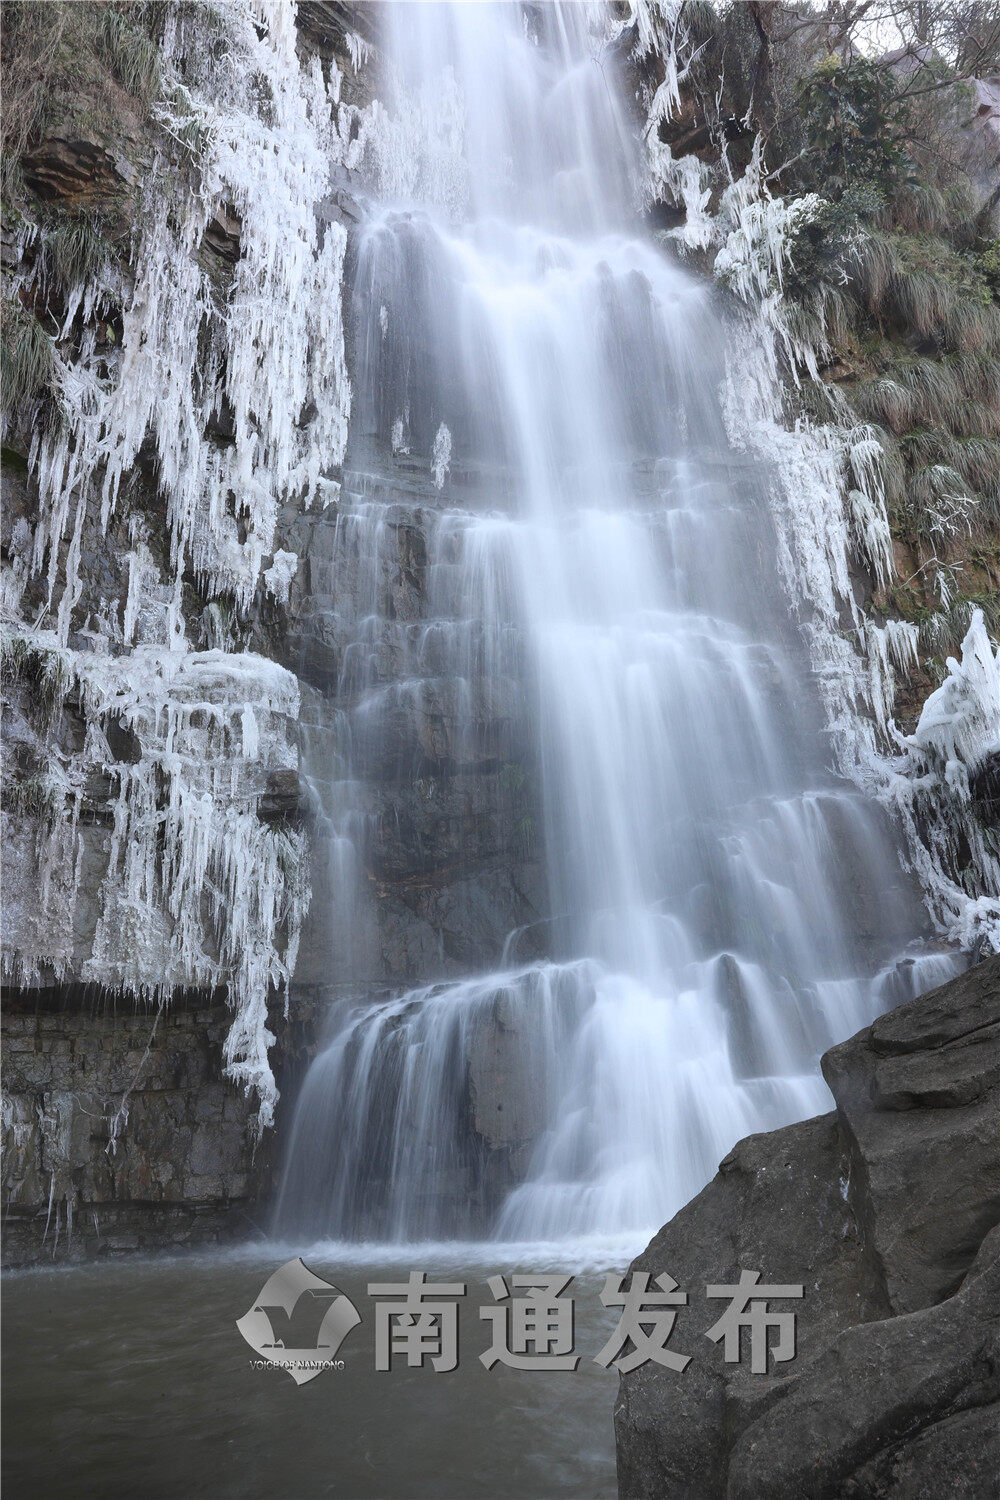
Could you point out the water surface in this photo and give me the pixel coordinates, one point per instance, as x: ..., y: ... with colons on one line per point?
x: 129, y: 1379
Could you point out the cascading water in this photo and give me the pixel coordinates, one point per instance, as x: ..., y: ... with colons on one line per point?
x: 723, y: 908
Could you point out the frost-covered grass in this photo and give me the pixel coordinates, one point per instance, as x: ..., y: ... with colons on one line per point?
x: 75, y: 250
x: 43, y: 667
x: 28, y: 359
x: 130, y: 50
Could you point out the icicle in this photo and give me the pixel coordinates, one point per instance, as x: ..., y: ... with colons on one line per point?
x: 278, y: 577
x: 358, y: 50
x: 251, y: 736
x: 867, y: 460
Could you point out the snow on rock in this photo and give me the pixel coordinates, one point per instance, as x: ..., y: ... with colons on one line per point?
x: 960, y: 721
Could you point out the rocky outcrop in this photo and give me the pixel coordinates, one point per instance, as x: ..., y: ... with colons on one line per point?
x: 122, y: 1133
x: 886, y: 1211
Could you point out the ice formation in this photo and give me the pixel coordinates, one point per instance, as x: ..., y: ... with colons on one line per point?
x: 276, y: 353
x: 198, y: 890
x: 957, y: 730
x: 358, y: 50
x: 278, y: 577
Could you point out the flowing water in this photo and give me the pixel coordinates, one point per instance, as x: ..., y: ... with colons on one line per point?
x: 724, y: 908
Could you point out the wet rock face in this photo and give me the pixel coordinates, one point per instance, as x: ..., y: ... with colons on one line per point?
x: 127, y: 1115
x: 121, y: 1132
x: 919, y: 1101
x: 443, y: 803
x: 886, y: 1212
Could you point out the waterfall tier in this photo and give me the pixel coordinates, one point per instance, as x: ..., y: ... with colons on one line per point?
x: 537, y: 402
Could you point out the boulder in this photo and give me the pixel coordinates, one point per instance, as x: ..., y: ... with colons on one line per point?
x: 885, y: 1212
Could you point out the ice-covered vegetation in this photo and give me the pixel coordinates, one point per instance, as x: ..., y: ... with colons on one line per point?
x: 223, y: 376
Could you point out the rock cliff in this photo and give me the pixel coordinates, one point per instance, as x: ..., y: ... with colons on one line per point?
x: 886, y: 1211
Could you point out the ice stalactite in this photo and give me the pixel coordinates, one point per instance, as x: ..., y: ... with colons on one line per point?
x: 685, y: 181
x: 756, y: 253
x: 199, y: 890
x: 831, y: 490
x: 358, y: 49
x: 275, y: 352
x: 867, y: 497
x: 889, y: 648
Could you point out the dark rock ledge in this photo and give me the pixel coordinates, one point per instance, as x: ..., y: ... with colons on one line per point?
x: 887, y: 1210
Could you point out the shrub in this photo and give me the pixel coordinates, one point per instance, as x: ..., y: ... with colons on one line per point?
x: 851, y: 112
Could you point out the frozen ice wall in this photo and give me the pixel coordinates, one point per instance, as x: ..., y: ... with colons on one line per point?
x: 232, y: 391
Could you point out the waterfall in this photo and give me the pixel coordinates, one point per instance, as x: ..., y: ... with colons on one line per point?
x: 538, y: 392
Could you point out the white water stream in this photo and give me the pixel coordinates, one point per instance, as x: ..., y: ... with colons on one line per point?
x: 725, y: 908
